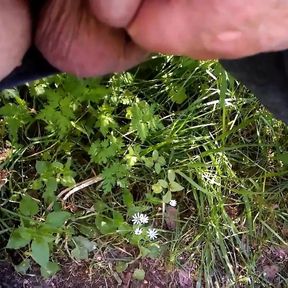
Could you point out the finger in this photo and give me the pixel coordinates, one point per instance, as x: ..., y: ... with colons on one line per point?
x: 15, y: 34
x: 211, y: 28
x: 74, y: 41
x: 170, y: 27
x: 116, y: 13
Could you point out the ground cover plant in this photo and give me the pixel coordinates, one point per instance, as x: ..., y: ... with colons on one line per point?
x: 173, y: 164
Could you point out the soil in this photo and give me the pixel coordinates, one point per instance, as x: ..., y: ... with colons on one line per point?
x: 83, y: 275
x: 100, y: 272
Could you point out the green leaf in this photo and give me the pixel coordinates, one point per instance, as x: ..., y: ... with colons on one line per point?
x: 144, y: 251
x: 37, y: 184
x: 41, y: 167
x: 128, y: 198
x: 57, y: 219
x: 49, y: 270
x: 155, y: 251
x: 28, y: 206
x: 139, y: 274
x: 178, y: 95
x: 148, y: 161
x: 40, y: 251
x: 175, y: 187
x: 68, y: 181
x: 171, y: 175
x: 124, y: 228
x: 167, y: 197
x: 157, y: 188
x: 121, y: 266
x: 23, y: 266
x: 163, y: 183
x: 85, y: 243
x: 117, y: 218
x: 99, y: 206
x: 155, y: 155
x: 161, y: 160
x: 157, y: 167
x: 80, y: 253
x: 283, y: 157
x: 105, y: 225
x: 51, y: 185
x: 18, y: 240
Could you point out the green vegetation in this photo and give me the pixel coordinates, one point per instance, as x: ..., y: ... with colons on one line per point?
x: 80, y: 158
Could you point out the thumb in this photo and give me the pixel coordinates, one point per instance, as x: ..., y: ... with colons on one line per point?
x: 115, y: 13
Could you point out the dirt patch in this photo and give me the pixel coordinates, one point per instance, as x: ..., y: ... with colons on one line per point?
x: 273, y: 265
x: 87, y: 275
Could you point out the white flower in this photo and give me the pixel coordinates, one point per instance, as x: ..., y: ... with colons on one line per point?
x: 136, y: 218
x: 138, y: 231
x: 152, y: 233
x: 173, y: 203
x: 140, y: 219
x: 144, y: 218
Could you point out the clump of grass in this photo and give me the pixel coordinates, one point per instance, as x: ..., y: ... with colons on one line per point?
x: 171, y: 129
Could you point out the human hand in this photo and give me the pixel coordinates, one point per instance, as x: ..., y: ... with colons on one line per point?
x: 15, y: 34
x: 206, y: 29
x: 72, y: 39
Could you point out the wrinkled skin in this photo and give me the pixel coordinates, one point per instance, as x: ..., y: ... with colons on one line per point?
x: 211, y: 28
x: 15, y: 37
x: 73, y: 40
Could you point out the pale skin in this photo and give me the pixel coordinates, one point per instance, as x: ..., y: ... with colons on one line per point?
x: 96, y: 37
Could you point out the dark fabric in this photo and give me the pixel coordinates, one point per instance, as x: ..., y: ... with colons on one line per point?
x: 266, y: 76
x: 34, y: 66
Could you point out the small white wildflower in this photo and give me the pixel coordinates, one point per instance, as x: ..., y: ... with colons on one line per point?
x: 144, y: 218
x: 152, y: 233
x: 138, y: 231
x: 136, y: 219
x: 173, y: 203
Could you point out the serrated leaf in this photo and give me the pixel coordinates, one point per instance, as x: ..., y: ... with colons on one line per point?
x: 40, y: 251
x: 157, y: 188
x: 57, y: 219
x: 175, y: 187
x: 139, y: 274
x: 167, y: 197
x: 163, y: 183
x: 49, y: 270
x: 17, y: 241
x: 171, y: 175
x: 28, y: 206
